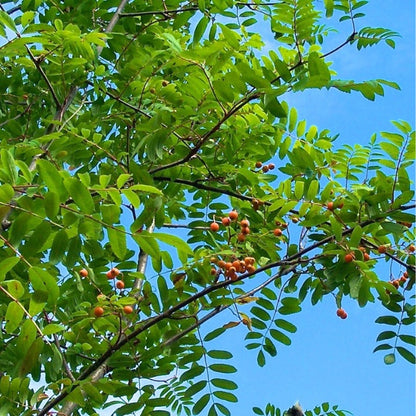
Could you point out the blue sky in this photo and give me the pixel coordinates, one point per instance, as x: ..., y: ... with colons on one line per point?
x: 331, y: 359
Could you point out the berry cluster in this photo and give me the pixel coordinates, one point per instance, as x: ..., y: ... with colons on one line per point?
x: 111, y: 274
x: 265, y: 168
x: 232, y: 267
x: 341, y: 313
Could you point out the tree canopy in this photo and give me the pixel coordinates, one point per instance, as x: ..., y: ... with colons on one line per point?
x: 154, y: 175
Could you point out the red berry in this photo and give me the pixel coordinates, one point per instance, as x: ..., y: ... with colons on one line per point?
x: 348, y: 258
x: 226, y: 221
x: 244, y: 223
x: 366, y: 257
x: 110, y: 275
x: 265, y: 168
x: 330, y: 206
x: 277, y: 232
x: 127, y: 309
x: 83, y: 272
x: 241, y: 237
x: 98, y: 311
x: 120, y: 284
x: 382, y: 249
x: 213, y: 271
x: 245, y: 230
x: 214, y: 227
x: 341, y: 313
x: 412, y: 248
x: 271, y: 166
x: 233, y: 215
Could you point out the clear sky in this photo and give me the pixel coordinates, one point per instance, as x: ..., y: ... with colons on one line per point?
x: 331, y: 359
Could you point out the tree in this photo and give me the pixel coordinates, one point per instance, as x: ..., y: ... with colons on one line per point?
x: 143, y: 139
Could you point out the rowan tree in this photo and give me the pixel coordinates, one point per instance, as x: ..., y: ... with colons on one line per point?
x: 128, y: 128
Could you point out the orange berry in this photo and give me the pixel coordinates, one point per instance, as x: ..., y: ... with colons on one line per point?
x: 249, y: 261
x: 277, y: 232
x: 127, y: 309
x: 245, y: 230
x: 341, y: 313
x: 362, y: 249
x: 232, y: 270
x: 330, y: 206
x: 259, y: 164
x: 366, y: 257
x: 284, y: 225
x: 213, y: 271
x: 228, y: 265
x: 110, y: 275
x: 271, y: 166
x: 120, y: 284
x: 236, y: 264
x: 405, y: 274
x: 348, y: 258
x: 395, y: 283
x: 382, y: 249
x: 241, y: 237
x: 244, y: 223
x: 214, y: 227
x: 250, y: 268
x: 226, y: 221
x: 232, y: 276
x: 221, y: 264
x: 98, y: 311
x: 83, y: 272
x: 402, y: 279
x: 412, y: 248
x: 233, y: 215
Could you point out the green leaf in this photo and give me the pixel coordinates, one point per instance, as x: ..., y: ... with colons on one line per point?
x: 225, y: 395
x: 406, y: 354
x: 59, y: 246
x: 219, y: 354
x: 52, y: 329
x: 356, y: 236
x: 50, y: 176
x: 200, y: 405
x: 223, y: 368
x: 200, y: 29
x: 117, y: 238
x: 386, y: 335
x: 224, y: 384
x: 6, y: 265
x: 196, y: 388
x: 31, y: 357
x: 15, y: 288
x: 280, y: 336
x: 272, y: 105
x: 389, y: 320
x: 287, y: 326
x: 80, y: 195
x: 8, y: 164
x: 43, y: 282
x: 13, y: 317
x: 261, y: 359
